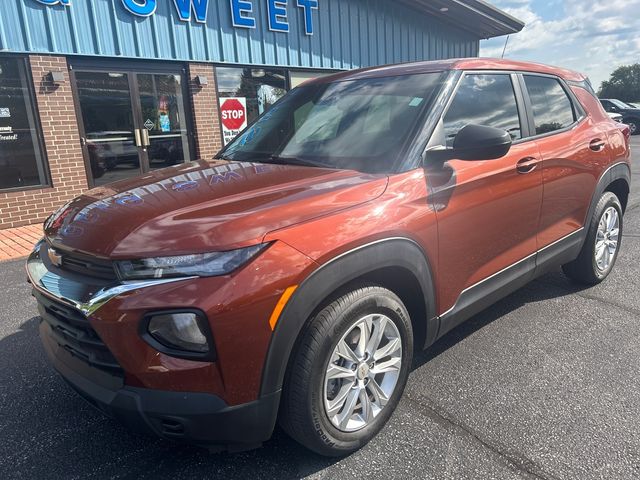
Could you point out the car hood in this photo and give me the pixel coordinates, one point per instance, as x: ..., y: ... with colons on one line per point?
x: 200, y: 206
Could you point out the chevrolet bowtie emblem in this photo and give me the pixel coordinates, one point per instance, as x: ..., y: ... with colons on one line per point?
x: 55, y: 257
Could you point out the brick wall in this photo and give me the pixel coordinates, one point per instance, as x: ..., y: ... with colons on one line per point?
x: 62, y: 141
x: 62, y: 147
x: 206, y: 116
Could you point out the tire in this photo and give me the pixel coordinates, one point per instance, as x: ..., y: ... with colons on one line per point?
x: 586, y: 269
x: 304, y: 412
x: 634, y: 126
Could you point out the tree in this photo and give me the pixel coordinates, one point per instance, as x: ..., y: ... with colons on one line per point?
x: 624, y: 84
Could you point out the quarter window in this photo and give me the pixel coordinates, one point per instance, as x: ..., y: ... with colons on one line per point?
x: 21, y: 158
x: 552, y: 108
x: 483, y: 99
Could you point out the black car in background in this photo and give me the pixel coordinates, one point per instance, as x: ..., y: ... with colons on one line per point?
x: 630, y: 114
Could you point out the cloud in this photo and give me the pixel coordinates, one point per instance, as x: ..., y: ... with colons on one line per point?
x: 593, y: 37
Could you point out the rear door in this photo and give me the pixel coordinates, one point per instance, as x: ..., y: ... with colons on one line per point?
x: 574, y: 150
x: 487, y: 211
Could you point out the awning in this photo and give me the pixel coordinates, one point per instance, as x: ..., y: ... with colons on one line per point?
x: 475, y: 16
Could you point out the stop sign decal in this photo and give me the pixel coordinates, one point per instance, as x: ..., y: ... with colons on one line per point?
x: 233, y: 113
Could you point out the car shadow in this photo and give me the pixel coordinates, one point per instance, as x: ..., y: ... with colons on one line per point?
x: 49, y: 431
x: 551, y: 285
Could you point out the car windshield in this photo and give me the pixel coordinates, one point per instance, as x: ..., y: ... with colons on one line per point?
x: 356, y: 124
x: 620, y: 104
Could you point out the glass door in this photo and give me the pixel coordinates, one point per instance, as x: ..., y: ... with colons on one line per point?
x: 131, y: 122
x: 109, y: 137
x: 163, y: 118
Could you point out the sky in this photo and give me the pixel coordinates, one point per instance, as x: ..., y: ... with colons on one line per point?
x: 591, y: 36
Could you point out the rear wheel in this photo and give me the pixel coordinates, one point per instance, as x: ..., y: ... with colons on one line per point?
x: 634, y: 126
x: 601, y: 247
x: 348, y: 371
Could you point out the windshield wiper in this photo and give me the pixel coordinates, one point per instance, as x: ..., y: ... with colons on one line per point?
x: 295, y: 161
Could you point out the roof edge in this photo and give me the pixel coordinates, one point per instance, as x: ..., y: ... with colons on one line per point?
x: 474, y: 16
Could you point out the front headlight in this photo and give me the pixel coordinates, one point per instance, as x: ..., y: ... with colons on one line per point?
x: 197, y: 265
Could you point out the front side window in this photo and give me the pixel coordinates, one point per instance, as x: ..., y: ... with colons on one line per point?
x: 552, y: 108
x: 608, y: 106
x: 355, y: 124
x: 620, y: 104
x: 21, y: 158
x: 483, y: 99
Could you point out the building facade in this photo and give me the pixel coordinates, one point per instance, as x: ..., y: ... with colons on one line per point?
x: 94, y: 91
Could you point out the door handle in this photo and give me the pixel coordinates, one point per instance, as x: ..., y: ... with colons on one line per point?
x: 527, y: 165
x: 145, y: 138
x: 597, y: 145
x: 138, y: 137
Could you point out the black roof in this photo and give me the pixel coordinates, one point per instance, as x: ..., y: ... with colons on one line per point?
x: 475, y: 16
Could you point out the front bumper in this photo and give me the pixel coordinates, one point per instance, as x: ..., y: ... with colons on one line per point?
x: 80, y: 355
x: 199, y: 418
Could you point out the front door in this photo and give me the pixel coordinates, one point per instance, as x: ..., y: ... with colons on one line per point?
x: 487, y: 211
x: 131, y: 121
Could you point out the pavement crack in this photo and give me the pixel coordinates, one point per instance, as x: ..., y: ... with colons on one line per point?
x: 514, y: 459
x: 612, y: 303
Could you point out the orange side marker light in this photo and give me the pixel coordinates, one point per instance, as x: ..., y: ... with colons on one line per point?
x: 275, y: 315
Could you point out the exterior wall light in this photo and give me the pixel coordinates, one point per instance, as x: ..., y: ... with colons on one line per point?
x: 57, y: 77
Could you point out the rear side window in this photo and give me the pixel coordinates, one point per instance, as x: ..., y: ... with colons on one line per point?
x: 552, y: 108
x: 483, y: 99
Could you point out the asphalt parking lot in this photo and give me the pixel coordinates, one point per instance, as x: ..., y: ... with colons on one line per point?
x: 545, y: 384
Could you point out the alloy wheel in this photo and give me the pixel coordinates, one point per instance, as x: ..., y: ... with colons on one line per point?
x: 607, y: 238
x: 362, y: 372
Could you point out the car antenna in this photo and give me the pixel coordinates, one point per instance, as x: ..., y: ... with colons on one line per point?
x: 505, y: 46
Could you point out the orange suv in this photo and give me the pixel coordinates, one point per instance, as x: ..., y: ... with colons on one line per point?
x: 363, y: 216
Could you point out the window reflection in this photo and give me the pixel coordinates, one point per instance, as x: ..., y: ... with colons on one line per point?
x: 107, y: 113
x: 162, y: 106
x: 552, y: 109
x: 357, y: 124
x: 21, y: 159
x: 483, y: 100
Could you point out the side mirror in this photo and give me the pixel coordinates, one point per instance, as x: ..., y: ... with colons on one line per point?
x: 478, y: 142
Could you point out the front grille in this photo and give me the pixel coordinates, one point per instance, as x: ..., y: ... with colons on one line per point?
x: 87, y: 265
x: 73, y: 332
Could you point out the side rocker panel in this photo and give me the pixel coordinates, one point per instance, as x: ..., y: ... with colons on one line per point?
x: 393, y: 252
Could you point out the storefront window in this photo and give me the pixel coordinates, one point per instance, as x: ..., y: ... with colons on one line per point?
x: 298, y: 77
x: 21, y: 159
x: 257, y: 88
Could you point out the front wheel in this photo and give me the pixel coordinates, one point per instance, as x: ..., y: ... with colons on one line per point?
x: 348, y: 371
x: 634, y: 126
x: 601, y: 247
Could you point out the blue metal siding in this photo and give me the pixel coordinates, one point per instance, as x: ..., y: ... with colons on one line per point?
x: 347, y: 34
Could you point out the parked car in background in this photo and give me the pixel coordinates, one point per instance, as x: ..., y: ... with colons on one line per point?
x: 630, y: 114
x: 365, y: 215
x: 616, y: 117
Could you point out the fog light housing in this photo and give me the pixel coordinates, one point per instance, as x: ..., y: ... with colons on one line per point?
x: 183, y: 334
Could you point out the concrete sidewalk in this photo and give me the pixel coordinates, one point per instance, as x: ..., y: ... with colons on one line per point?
x: 18, y: 242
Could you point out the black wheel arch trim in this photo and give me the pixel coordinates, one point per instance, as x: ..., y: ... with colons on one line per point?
x: 617, y: 171
x: 389, y: 252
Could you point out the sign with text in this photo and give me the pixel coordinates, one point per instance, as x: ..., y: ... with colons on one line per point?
x: 242, y: 12
x: 233, y: 114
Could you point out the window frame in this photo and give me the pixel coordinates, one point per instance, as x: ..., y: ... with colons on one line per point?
x: 33, y: 114
x: 579, y: 114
